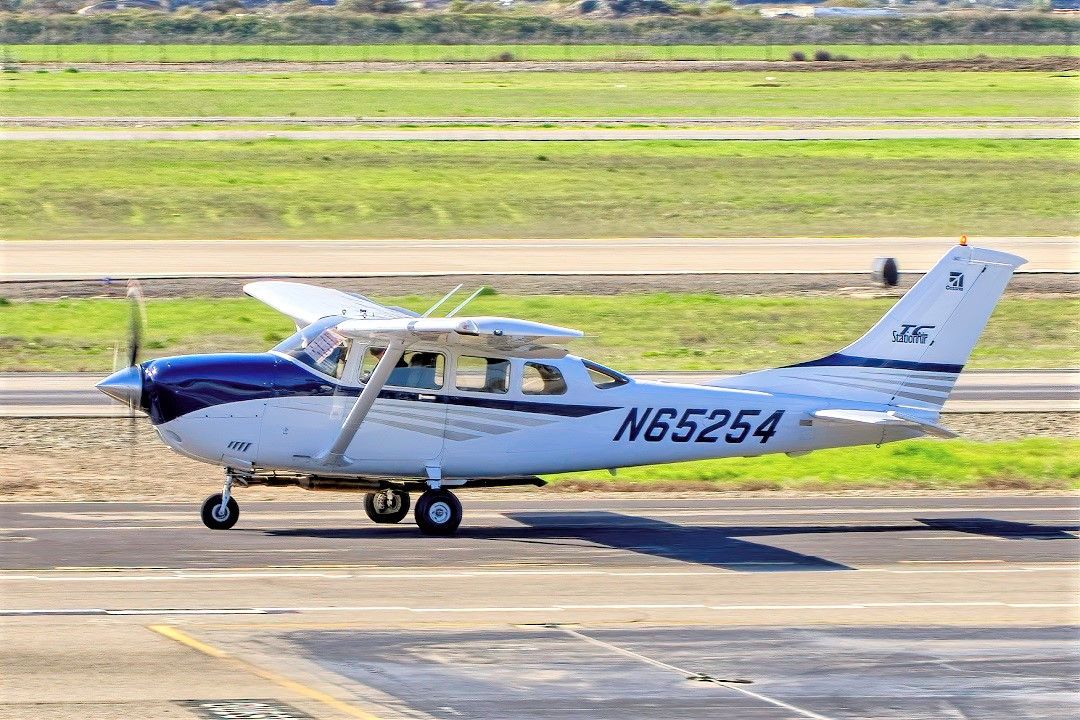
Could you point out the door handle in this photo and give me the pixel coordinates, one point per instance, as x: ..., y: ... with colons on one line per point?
x: 425, y: 397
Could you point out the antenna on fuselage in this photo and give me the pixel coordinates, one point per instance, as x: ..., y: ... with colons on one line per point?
x: 445, y: 297
x: 465, y: 302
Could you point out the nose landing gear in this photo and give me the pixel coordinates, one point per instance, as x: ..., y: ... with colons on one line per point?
x: 220, y: 511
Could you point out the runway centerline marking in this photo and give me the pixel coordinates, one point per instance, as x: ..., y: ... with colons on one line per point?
x: 309, y: 692
x: 211, y: 573
x: 520, y: 609
x: 688, y: 674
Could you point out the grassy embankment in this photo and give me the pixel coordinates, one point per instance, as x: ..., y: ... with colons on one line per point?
x: 283, y: 189
x: 531, y: 94
x: 1034, y: 463
x: 478, y: 52
x: 630, y: 332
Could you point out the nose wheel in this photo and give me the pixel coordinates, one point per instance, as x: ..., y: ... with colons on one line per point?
x: 387, y: 506
x: 219, y: 512
x: 438, y: 512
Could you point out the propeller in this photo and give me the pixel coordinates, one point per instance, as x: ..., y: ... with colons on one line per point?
x: 125, y: 384
x: 136, y: 322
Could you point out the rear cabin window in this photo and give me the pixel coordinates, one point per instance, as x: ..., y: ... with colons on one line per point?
x: 604, y: 378
x: 542, y: 379
x: 416, y: 369
x: 482, y: 374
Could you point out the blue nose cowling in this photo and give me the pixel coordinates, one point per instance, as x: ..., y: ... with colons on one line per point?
x: 124, y: 386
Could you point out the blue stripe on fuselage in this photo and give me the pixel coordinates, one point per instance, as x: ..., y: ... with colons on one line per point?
x: 839, y: 359
x: 180, y: 385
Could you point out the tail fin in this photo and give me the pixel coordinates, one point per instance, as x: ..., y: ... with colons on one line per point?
x: 912, y: 356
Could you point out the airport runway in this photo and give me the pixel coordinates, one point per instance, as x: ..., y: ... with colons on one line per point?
x: 73, y: 394
x: 1062, y: 132
x: 129, y: 121
x: 577, y: 606
x: 97, y: 259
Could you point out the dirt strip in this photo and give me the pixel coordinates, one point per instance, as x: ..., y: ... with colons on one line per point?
x: 122, y: 459
x: 976, y: 64
x: 1043, y: 285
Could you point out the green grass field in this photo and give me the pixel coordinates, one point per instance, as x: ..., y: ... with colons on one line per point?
x: 1034, y: 463
x: 301, y: 189
x: 416, y: 53
x: 629, y: 332
x: 532, y: 94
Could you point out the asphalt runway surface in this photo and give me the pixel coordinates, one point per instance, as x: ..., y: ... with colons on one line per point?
x: 74, y: 395
x: 595, y: 606
x: 1063, y: 132
x: 97, y: 259
x: 129, y: 121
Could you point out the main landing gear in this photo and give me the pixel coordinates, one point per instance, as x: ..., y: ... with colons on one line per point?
x: 387, y: 506
x: 438, y: 512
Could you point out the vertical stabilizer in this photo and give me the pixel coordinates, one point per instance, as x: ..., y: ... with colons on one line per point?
x: 912, y: 356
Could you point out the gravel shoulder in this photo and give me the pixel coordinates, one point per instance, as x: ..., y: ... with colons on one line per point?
x: 1039, y: 285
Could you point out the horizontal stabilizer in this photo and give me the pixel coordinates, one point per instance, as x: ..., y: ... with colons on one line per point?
x: 881, y: 419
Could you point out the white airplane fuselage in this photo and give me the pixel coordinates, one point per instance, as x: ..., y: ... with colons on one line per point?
x: 271, y: 413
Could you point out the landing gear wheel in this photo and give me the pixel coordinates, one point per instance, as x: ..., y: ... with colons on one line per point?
x: 438, y: 512
x: 387, y: 506
x: 218, y: 516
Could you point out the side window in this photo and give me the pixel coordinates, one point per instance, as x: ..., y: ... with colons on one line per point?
x: 482, y: 374
x: 327, y: 352
x: 604, y: 378
x: 416, y: 369
x: 541, y: 379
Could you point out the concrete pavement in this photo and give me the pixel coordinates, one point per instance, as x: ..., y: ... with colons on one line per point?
x: 129, y: 121
x: 1061, y: 132
x: 567, y: 607
x: 96, y: 259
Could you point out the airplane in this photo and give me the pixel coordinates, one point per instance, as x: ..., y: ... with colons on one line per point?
x: 386, y: 401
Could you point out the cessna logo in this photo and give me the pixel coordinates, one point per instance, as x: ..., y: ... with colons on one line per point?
x: 912, y: 334
x: 956, y: 281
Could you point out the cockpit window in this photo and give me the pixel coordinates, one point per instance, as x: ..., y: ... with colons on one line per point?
x: 604, y: 378
x: 319, y: 346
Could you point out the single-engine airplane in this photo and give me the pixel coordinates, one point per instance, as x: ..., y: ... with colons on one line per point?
x: 386, y: 401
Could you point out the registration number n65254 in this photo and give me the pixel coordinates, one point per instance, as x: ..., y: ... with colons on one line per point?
x: 700, y: 425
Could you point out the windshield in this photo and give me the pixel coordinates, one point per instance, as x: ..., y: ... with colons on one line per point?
x: 318, y: 346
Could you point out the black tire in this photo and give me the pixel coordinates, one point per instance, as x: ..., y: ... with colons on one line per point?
x: 378, y: 511
x: 217, y: 518
x: 438, y: 512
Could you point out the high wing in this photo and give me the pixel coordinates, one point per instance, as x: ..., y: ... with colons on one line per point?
x: 307, y: 303
x: 507, y: 335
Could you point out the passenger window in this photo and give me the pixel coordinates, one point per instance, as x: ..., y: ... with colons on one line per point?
x: 482, y: 374
x: 541, y: 379
x: 416, y: 369
x: 604, y: 378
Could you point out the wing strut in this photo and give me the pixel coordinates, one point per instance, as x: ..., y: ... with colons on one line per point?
x: 335, y: 454
x: 445, y: 297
